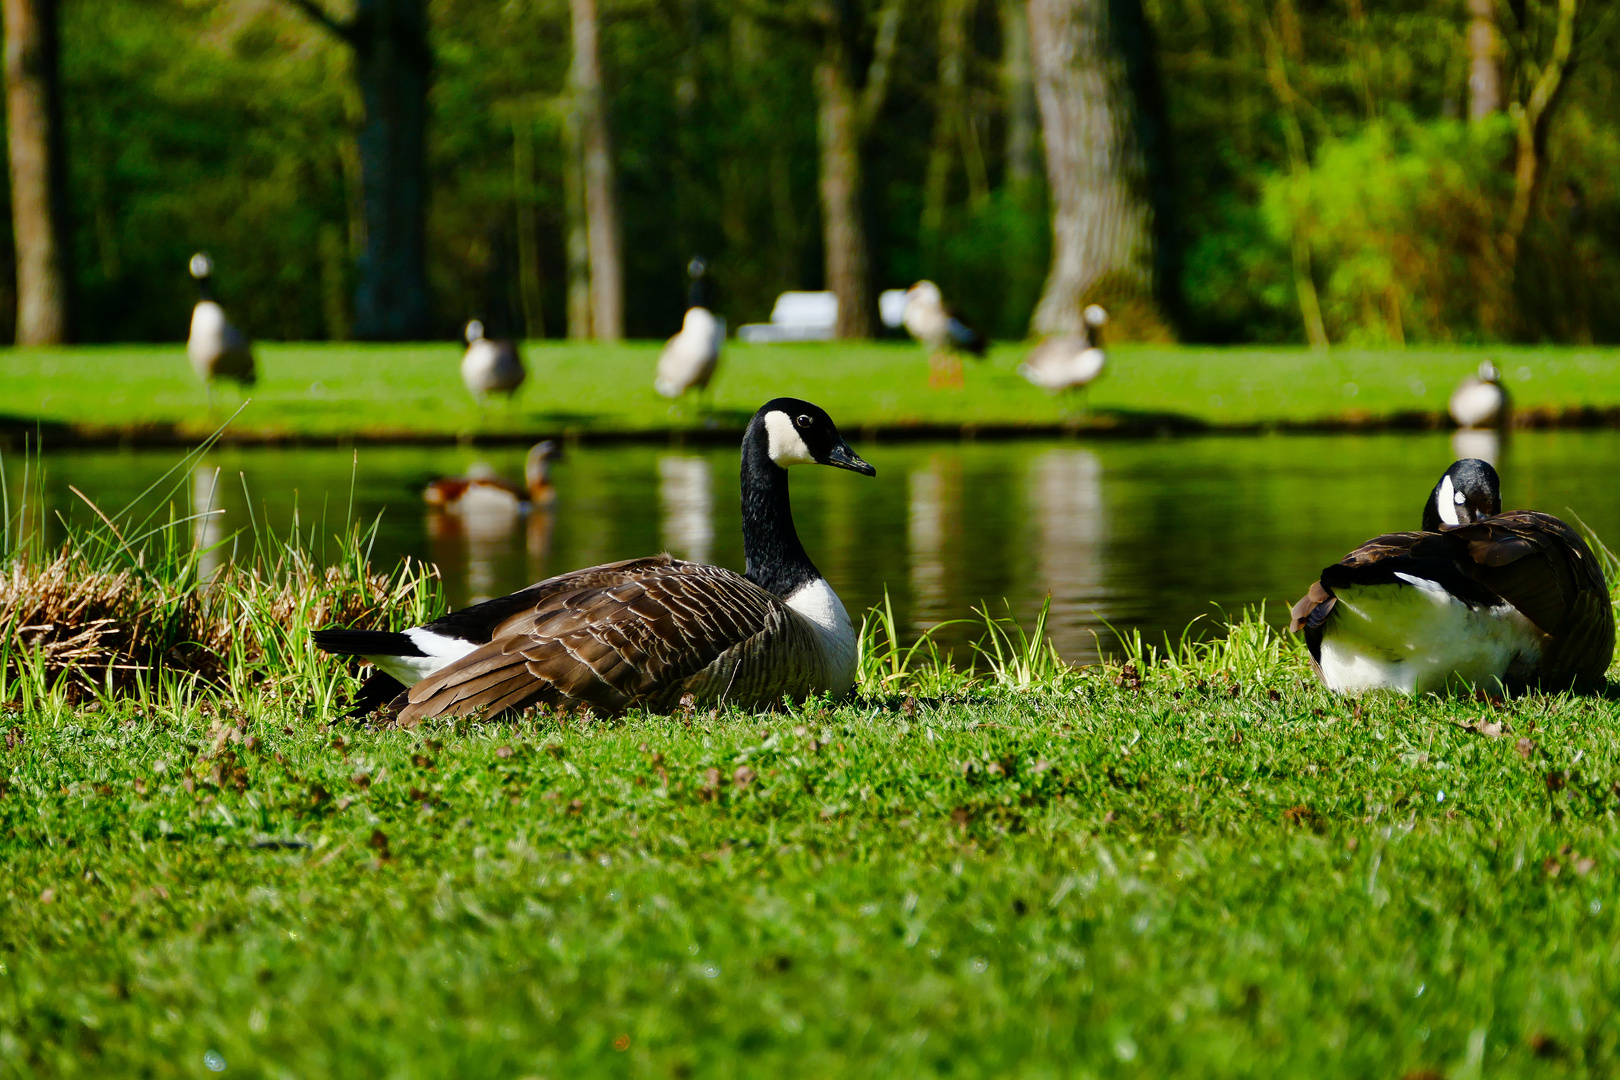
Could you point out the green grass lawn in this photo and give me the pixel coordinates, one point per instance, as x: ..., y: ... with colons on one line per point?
x: 1250, y: 881
x: 1196, y: 864
x: 403, y: 391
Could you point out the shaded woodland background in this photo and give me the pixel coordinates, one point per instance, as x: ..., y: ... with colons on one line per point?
x: 1326, y: 181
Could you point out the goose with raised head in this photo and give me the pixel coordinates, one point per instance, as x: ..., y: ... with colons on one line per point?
x: 216, y: 348
x: 692, y: 356
x: 1069, y: 361
x: 1479, y: 597
x: 645, y: 632
x: 1480, y: 400
x: 928, y: 320
x: 490, y: 365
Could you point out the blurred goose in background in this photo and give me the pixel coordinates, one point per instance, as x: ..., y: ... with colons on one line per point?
x: 481, y: 489
x: 1480, y: 401
x: 691, y: 357
x: 1070, y: 361
x: 1481, y: 597
x: 644, y: 633
x: 217, y: 349
x: 490, y: 365
x: 929, y: 321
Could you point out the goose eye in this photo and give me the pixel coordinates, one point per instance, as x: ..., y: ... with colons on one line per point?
x: 804, y: 421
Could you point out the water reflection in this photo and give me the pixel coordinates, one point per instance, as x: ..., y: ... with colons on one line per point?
x: 208, y: 521
x: 1144, y: 534
x: 934, y: 509
x: 1475, y: 443
x: 1065, y: 492
x: 686, y: 499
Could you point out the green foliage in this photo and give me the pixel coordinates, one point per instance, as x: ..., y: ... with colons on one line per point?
x: 1403, y: 222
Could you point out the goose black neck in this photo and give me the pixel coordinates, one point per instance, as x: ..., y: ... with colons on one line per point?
x: 205, y: 290
x: 777, y: 562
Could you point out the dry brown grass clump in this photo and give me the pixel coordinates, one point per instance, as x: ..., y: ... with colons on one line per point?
x: 67, y: 621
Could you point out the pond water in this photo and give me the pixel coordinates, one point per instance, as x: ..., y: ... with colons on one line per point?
x: 1147, y: 534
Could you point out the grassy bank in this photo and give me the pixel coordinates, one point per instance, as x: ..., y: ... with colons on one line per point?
x: 1195, y: 863
x: 414, y: 391
x: 1098, y: 878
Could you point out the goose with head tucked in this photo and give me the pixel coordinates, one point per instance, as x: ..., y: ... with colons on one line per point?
x: 928, y: 320
x: 490, y: 365
x: 1481, y: 401
x: 1069, y: 361
x: 216, y: 348
x: 1479, y: 597
x: 645, y: 632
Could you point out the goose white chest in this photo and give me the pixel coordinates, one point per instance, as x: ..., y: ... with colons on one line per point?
x: 835, y: 634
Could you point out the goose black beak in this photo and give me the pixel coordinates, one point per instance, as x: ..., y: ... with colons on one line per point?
x: 842, y: 457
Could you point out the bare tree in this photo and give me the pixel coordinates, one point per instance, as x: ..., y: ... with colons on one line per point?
x: 1018, y: 88
x: 596, y: 162
x: 848, y: 105
x: 1106, y: 162
x: 1484, y: 60
x: 38, y: 172
x: 393, y: 62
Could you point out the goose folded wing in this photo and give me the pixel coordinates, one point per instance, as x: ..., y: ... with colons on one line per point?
x: 629, y: 639
x: 1544, y: 569
x: 1392, y: 559
x: 1533, y: 561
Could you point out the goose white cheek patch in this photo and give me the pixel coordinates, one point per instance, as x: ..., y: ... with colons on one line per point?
x: 1446, y: 502
x: 786, y: 445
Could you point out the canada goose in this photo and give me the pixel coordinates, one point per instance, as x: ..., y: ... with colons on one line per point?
x: 1480, y: 400
x: 1070, y: 361
x: 1479, y: 596
x: 490, y: 365
x: 481, y: 487
x: 217, y: 349
x: 644, y: 632
x: 690, y: 358
x: 929, y: 321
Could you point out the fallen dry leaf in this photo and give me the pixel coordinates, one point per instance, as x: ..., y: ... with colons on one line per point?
x: 1525, y: 748
x: 743, y: 776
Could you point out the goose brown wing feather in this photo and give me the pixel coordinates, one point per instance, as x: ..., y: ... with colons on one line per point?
x: 610, y: 637
x: 1543, y: 568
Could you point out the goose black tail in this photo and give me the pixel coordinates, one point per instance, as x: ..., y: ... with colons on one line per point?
x: 365, y: 643
x: 381, y: 695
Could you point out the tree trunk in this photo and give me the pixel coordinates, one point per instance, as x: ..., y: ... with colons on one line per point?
x: 948, y: 122
x: 1484, y: 60
x: 601, y: 204
x: 528, y: 233
x: 392, y: 62
x: 1106, y: 163
x: 843, y: 229
x: 1534, y: 121
x: 38, y: 172
x: 1018, y: 88
x: 578, y: 240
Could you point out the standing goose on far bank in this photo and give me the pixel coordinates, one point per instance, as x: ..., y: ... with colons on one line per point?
x: 490, y: 365
x: 1480, y: 597
x: 645, y: 632
x: 692, y: 356
x: 217, y: 349
x: 1069, y: 361
x: 1481, y: 401
x: 927, y: 319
